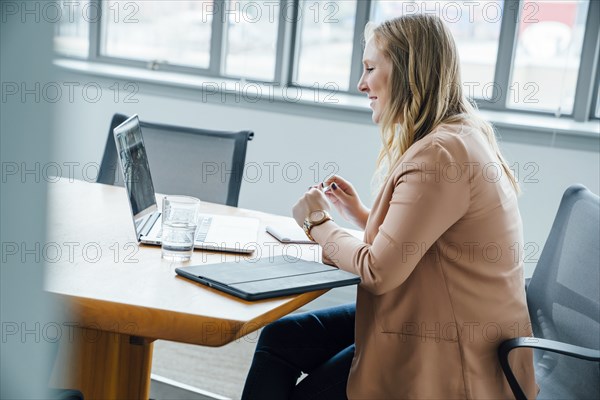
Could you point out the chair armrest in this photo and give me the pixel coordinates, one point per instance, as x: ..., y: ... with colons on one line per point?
x: 554, y: 346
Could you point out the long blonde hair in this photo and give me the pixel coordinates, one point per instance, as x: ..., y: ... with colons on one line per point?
x: 425, y: 87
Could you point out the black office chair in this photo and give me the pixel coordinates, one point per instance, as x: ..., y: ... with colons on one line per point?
x: 563, y: 297
x: 202, y: 163
x: 65, y: 394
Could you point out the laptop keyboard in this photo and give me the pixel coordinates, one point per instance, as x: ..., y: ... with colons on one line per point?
x: 201, y: 232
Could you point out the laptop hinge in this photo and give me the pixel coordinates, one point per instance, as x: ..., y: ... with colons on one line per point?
x: 149, y: 222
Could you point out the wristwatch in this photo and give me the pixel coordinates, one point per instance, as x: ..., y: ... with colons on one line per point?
x: 315, y: 218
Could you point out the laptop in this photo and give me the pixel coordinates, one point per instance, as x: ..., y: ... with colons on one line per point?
x: 268, y: 277
x: 215, y: 232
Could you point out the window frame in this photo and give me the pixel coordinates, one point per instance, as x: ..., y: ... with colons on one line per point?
x: 584, y: 105
x: 286, y: 53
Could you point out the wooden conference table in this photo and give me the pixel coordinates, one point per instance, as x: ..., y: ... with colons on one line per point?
x: 120, y: 297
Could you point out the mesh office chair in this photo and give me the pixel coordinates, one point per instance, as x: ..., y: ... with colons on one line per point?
x: 563, y: 297
x: 202, y: 163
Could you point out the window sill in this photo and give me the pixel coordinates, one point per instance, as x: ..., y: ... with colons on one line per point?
x: 330, y: 104
x: 212, y: 87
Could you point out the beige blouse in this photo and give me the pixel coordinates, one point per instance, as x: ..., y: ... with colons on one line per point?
x: 442, y: 277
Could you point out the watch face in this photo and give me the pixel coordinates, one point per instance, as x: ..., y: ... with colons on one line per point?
x: 316, y: 216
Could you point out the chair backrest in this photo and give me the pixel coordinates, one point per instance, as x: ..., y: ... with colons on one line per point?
x: 202, y: 163
x: 564, y: 296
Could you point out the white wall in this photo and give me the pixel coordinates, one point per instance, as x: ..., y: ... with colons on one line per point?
x: 555, y: 169
x: 310, y: 143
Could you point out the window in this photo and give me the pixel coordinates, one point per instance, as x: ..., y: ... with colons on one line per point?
x: 71, y: 37
x: 548, y: 51
x: 251, y: 39
x: 169, y: 32
x: 523, y: 55
x: 597, y: 114
x: 326, y: 30
x: 476, y: 30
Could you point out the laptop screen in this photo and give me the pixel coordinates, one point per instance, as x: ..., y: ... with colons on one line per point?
x: 135, y: 167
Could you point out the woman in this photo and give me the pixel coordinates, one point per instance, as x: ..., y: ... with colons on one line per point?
x: 442, y: 282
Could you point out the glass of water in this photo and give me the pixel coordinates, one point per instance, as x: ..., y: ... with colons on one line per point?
x: 179, y: 224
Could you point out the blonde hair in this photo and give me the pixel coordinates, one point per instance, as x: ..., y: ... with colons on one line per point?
x: 425, y: 87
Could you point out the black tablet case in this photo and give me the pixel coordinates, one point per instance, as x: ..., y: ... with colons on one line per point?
x: 268, y: 277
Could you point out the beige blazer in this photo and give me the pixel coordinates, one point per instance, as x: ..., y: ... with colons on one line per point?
x: 442, y: 277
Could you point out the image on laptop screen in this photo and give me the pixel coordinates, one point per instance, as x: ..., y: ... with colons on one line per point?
x: 134, y: 163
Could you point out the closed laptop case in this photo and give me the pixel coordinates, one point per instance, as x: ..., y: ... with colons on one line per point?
x: 268, y: 277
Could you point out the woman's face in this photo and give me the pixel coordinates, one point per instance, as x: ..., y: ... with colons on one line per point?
x: 377, y: 71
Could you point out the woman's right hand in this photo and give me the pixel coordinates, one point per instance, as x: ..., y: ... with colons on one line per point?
x: 345, y: 199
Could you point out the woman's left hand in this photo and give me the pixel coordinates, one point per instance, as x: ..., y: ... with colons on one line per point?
x: 312, y: 200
